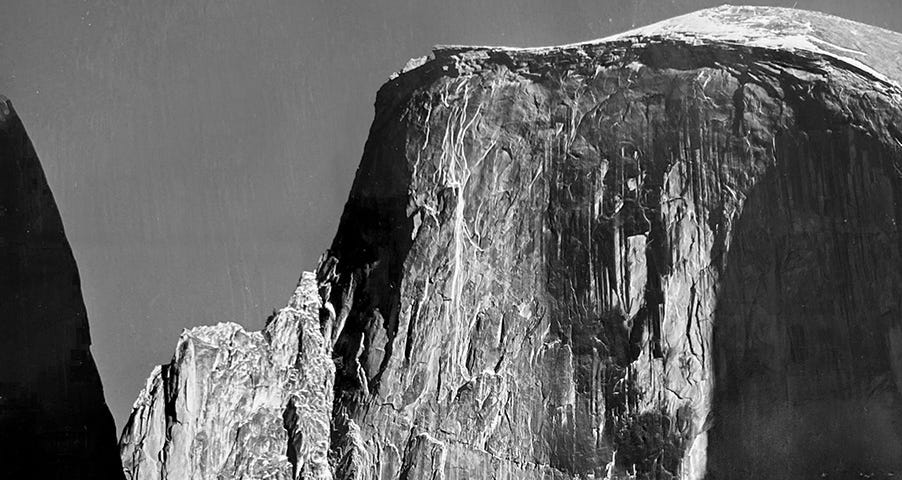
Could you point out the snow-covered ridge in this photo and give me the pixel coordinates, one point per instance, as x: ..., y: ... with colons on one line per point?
x: 773, y: 28
x: 874, y: 50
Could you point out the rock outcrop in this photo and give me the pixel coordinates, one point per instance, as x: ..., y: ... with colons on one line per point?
x: 54, y: 422
x: 234, y: 404
x: 672, y: 253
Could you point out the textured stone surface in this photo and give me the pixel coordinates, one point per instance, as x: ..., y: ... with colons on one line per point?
x: 234, y: 404
x: 54, y: 422
x: 670, y: 253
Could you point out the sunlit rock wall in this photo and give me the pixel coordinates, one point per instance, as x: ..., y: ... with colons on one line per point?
x: 234, y: 404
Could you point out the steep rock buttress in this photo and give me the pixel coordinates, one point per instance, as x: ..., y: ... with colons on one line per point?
x: 54, y: 422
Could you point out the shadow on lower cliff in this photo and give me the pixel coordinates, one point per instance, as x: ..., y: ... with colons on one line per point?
x: 805, y: 380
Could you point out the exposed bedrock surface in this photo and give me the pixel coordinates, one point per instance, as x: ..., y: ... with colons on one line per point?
x: 54, y: 422
x: 672, y: 253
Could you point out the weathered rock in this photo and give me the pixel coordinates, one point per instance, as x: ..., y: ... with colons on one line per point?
x: 54, y: 422
x: 672, y: 253
x: 234, y: 404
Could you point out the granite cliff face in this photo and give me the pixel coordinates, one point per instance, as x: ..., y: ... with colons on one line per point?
x: 54, y: 422
x: 672, y: 253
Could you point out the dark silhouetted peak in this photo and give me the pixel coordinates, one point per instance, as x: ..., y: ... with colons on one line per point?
x: 54, y: 422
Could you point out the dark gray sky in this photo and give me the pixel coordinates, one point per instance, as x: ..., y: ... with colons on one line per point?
x: 201, y: 151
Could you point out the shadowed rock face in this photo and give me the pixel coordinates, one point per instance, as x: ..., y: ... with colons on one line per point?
x: 54, y: 422
x: 807, y: 333
x: 672, y: 253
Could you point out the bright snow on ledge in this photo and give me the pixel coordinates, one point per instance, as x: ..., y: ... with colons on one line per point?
x: 874, y: 49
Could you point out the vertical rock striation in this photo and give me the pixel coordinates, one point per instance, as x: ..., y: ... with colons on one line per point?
x: 234, y: 404
x: 668, y: 254
x: 672, y: 253
x: 54, y: 422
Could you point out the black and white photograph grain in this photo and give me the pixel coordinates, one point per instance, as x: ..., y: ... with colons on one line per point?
x: 450, y: 240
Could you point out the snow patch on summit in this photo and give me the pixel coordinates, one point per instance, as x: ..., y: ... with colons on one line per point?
x: 764, y: 27
x: 869, y: 49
